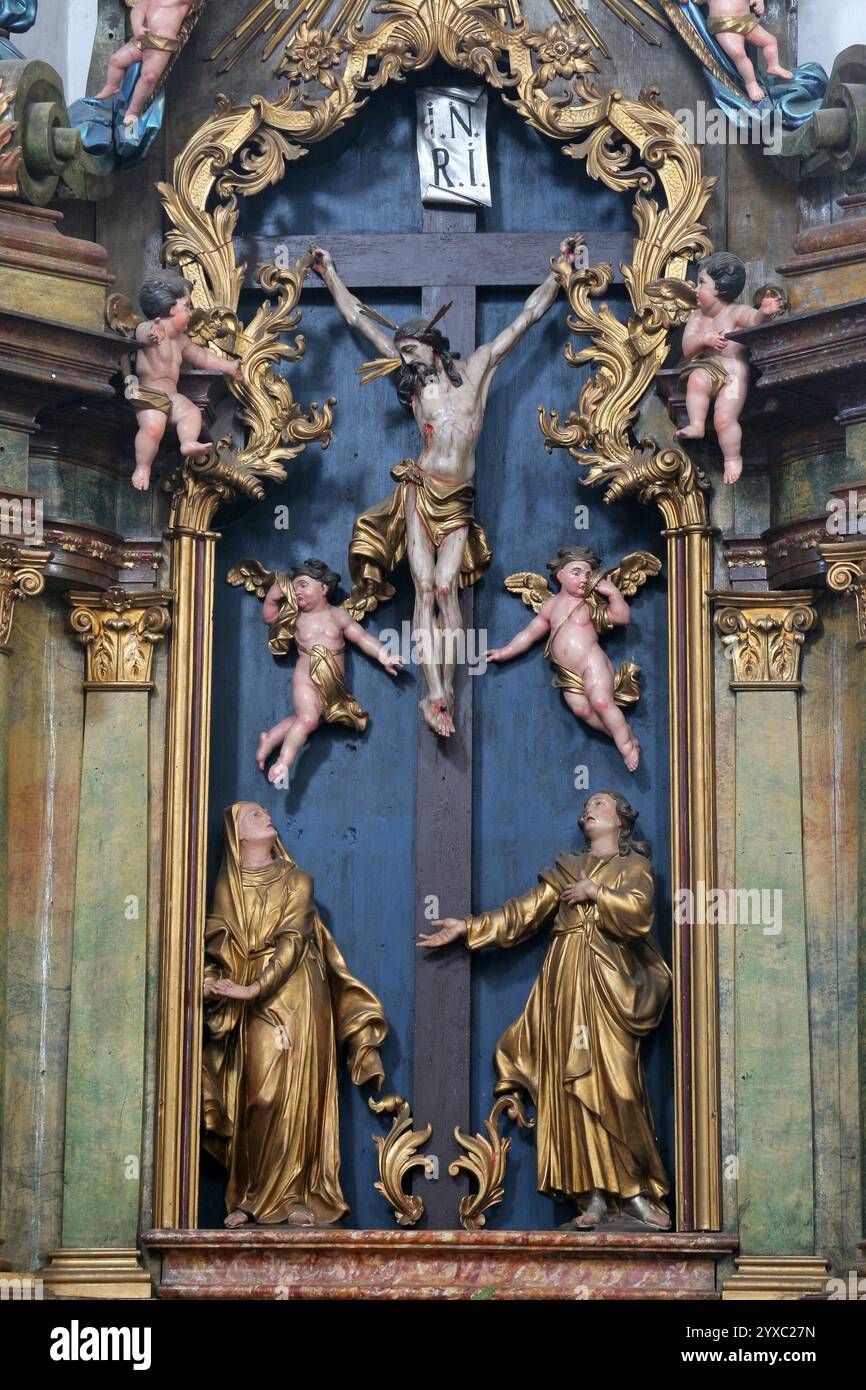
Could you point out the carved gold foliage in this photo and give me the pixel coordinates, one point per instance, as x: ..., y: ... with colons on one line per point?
x: 398, y: 1155
x: 119, y: 630
x: 485, y: 1161
x: 763, y: 632
x: 631, y: 146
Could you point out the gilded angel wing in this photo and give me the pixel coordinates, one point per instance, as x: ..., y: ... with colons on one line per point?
x: 120, y: 315
x: 629, y: 575
x: 253, y: 576
x: 532, y: 588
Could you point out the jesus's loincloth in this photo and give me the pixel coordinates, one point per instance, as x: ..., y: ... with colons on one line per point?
x: 379, y: 535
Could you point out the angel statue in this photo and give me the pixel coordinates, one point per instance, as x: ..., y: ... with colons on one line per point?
x: 164, y: 342
x: 156, y: 30
x: 297, y: 608
x: 590, y: 601
x: 429, y: 513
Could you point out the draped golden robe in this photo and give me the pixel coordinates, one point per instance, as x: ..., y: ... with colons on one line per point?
x: 576, y: 1048
x: 270, y: 1064
x: 378, y: 541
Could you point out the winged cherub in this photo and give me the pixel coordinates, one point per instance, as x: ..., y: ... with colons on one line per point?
x: 590, y: 601
x: 297, y: 609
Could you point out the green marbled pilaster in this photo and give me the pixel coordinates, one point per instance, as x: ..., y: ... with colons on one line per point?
x: 773, y: 1080
x: 104, y: 1093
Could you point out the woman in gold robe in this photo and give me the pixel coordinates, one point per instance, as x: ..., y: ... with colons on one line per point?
x: 576, y: 1047
x: 281, y: 1002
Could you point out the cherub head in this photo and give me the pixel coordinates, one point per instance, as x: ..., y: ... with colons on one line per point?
x: 419, y: 345
x: 720, y: 277
x: 606, y: 811
x: 313, y: 583
x: 166, y: 296
x: 572, y: 567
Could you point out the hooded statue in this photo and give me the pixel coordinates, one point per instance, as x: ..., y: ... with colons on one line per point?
x: 270, y: 1062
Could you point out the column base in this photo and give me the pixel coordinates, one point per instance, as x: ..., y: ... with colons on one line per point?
x: 95, y: 1274
x: 777, y: 1277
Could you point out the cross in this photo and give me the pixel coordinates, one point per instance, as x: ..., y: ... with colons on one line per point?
x: 446, y: 260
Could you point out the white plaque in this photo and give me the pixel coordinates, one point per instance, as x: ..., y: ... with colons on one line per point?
x: 452, y: 146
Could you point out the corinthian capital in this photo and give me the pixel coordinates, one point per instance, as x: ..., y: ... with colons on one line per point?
x: 20, y: 577
x: 846, y: 573
x: 119, y: 630
x: 763, y: 633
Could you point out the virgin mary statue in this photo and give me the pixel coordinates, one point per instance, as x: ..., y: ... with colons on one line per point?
x: 280, y: 1005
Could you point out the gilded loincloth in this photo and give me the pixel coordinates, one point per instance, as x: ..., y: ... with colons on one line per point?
x: 142, y: 398
x: 338, y: 704
x: 714, y: 368
x: 626, y: 690
x: 378, y: 541
x: 160, y: 42
x: 733, y: 24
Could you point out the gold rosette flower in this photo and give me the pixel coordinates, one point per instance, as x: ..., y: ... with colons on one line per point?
x: 561, y: 52
x: 311, y: 55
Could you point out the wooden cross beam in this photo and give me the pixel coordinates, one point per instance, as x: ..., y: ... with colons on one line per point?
x: 446, y: 258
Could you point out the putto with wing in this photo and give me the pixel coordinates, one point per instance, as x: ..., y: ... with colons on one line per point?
x: 588, y: 602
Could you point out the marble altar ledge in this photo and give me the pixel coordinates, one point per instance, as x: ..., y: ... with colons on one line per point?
x: 279, y: 1263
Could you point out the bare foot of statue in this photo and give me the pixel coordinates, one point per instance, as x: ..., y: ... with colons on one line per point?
x: 755, y: 91
x: 436, y: 716
x: 733, y: 469
x: 237, y: 1218
x: 268, y: 741
x: 631, y: 753
x: 141, y: 477
x: 300, y: 1215
x: 776, y: 70
x: 130, y: 120
x: 596, y: 1209
x: 650, y: 1213
x: 198, y: 447
x: 691, y: 432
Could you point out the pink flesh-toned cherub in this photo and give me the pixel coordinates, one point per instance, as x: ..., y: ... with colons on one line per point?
x: 733, y: 24
x: 156, y: 25
x: 719, y: 369
x: 163, y: 349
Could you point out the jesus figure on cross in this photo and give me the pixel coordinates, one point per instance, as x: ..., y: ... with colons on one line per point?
x: 429, y: 513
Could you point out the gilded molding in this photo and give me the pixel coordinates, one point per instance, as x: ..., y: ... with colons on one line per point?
x: 119, y: 630
x: 846, y: 573
x: 398, y: 1155
x: 20, y: 577
x: 763, y: 633
x: 633, y: 147
x: 95, y: 1273
x: 485, y: 1160
x: 777, y: 1277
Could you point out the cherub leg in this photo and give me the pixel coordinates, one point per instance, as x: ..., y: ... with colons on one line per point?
x: 308, y: 716
x: 698, y: 397
x: 763, y: 39
x: 579, y: 705
x: 598, y: 675
x: 422, y: 566
x: 153, y: 65
x: 735, y: 47
x: 186, y: 419
x: 269, y: 739
x: 449, y: 558
x: 729, y: 407
x: 151, y: 428
x: 117, y: 64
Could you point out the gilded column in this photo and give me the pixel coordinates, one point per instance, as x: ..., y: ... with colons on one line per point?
x: 763, y: 634
x: 105, y: 1073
